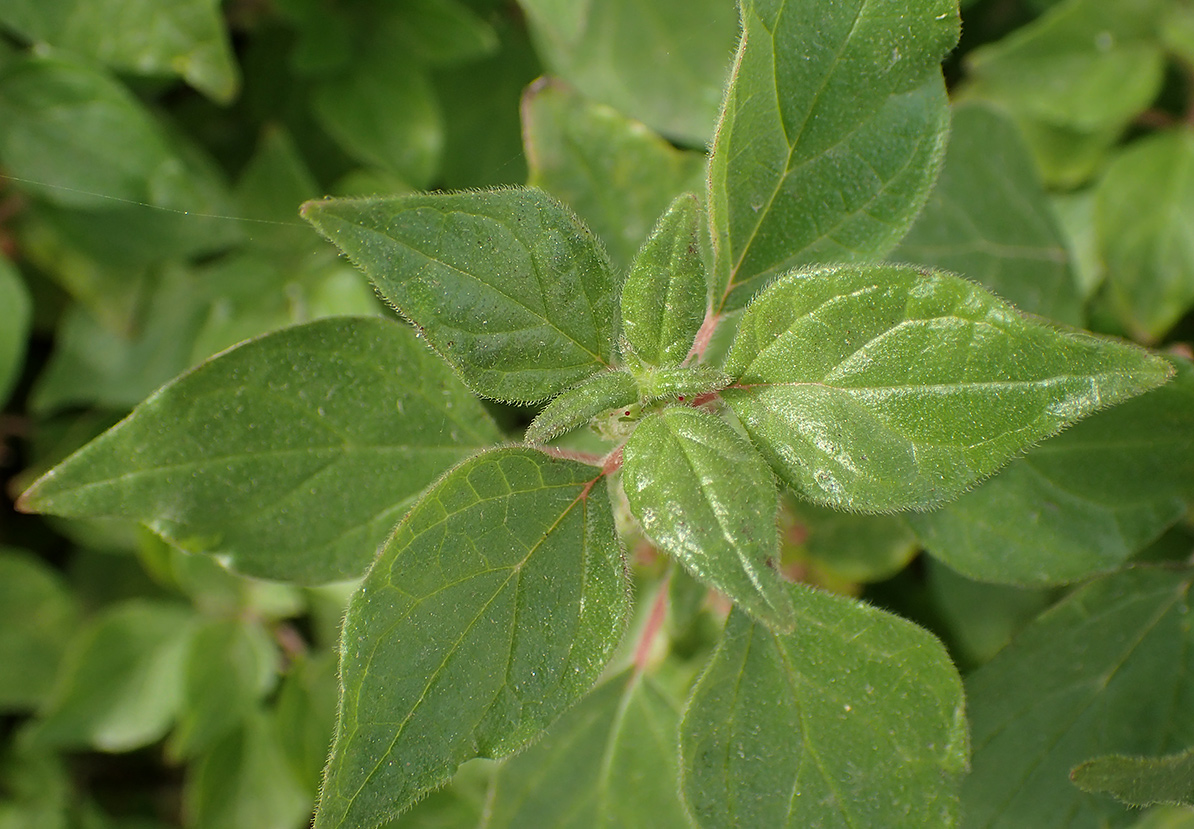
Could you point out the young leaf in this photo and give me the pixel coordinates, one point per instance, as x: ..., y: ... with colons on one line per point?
x: 853, y: 719
x: 1144, y: 220
x: 507, y: 285
x: 616, y: 174
x: 493, y: 607
x: 609, y: 762
x: 703, y: 494
x: 1098, y: 673
x: 831, y: 135
x: 1139, y: 781
x: 665, y: 294
x: 1081, y: 504
x: 989, y: 218
x: 292, y: 455
x: 580, y: 404
x: 885, y: 388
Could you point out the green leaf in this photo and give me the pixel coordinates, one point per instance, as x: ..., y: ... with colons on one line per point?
x: 853, y: 719
x: 187, y: 38
x: 831, y: 135
x: 1098, y: 673
x: 702, y: 493
x: 230, y: 665
x: 662, y: 62
x: 884, y: 388
x: 665, y: 294
x: 245, y: 780
x: 120, y: 684
x: 1139, y: 781
x: 506, y: 284
x: 37, y: 617
x: 14, y: 332
x: 306, y: 714
x: 81, y: 139
x: 1087, y: 65
x: 989, y: 218
x: 1080, y: 504
x: 271, y: 188
x: 382, y: 110
x: 616, y: 174
x: 493, y: 607
x: 1144, y: 218
x: 611, y: 761
x: 439, y: 31
x: 857, y: 548
x: 292, y: 455
x: 603, y: 391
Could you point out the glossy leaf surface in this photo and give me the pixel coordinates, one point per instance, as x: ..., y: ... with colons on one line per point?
x: 580, y: 404
x: 293, y: 455
x: 662, y: 62
x: 853, y: 719
x: 493, y: 607
x: 989, y: 218
x: 1093, y: 675
x: 702, y: 493
x: 507, y: 285
x: 614, y: 172
x: 885, y: 388
x: 1144, y: 220
x: 610, y: 762
x: 1139, y: 781
x: 149, y: 37
x: 831, y: 135
x: 665, y: 294
x: 1081, y: 503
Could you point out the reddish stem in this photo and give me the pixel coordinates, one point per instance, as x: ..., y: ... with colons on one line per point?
x: 642, y: 653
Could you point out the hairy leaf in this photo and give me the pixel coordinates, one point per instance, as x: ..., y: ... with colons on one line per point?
x: 831, y: 135
x: 703, y: 494
x: 665, y: 294
x: 1080, y: 504
x: 1101, y: 672
x: 1139, y: 781
x: 493, y: 607
x: 292, y: 455
x: 884, y: 388
x: 580, y: 404
x: 853, y: 719
x: 507, y: 284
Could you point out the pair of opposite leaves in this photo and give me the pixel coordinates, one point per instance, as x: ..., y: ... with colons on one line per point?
x: 869, y: 388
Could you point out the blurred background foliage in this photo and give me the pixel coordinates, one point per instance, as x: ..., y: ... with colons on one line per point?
x: 153, y: 155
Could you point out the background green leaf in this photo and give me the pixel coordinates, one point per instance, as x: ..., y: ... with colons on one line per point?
x: 494, y: 606
x: 121, y: 681
x: 883, y: 388
x: 831, y: 136
x: 853, y: 719
x: 506, y: 284
x: 614, y: 172
x: 702, y: 493
x: 38, y: 615
x: 1080, y: 504
x: 611, y: 761
x: 989, y: 218
x: 14, y: 333
x: 149, y: 37
x: 1098, y: 673
x: 1144, y: 220
x: 662, y: 62
x: 292, y: 455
